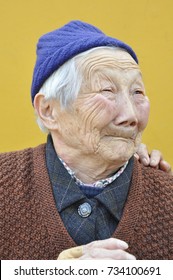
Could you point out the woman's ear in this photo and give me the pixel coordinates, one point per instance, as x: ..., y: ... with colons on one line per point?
x: 45, y: 110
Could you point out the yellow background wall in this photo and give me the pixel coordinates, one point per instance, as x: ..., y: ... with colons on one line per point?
x: 146, y: 25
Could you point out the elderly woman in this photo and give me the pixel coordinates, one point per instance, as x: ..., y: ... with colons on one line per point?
x: 83, y: 194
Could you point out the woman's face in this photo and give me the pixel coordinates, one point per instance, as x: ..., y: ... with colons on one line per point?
x: 111, y: 110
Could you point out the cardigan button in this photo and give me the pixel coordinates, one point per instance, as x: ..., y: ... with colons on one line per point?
x: 84, y: 210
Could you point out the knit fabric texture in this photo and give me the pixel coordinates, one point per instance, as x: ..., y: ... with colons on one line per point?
x: 32, y: 227
x: 58, y: 46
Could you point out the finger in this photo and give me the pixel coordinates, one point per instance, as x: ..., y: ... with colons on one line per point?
x: 165, y: 166
x: 136, y: 156
x: 106, y: 254
x: 155, y: 158
x: 110, y: 244
x: 72, y: 253
x: 143, y: 154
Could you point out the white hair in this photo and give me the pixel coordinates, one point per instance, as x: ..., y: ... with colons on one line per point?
x: 65, y: 83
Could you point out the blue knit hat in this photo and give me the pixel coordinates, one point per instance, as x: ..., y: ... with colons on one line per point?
x: 58, y: 46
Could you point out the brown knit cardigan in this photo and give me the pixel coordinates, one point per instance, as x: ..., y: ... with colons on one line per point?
x: 31, y: 227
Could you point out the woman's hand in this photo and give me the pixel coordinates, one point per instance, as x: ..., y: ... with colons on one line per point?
x: 108, y: 249
x: 154, y: 159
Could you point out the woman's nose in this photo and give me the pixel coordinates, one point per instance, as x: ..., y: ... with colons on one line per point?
x: 127, y: 113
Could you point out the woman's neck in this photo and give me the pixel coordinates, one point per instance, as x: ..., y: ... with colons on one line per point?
x: 88, y: 168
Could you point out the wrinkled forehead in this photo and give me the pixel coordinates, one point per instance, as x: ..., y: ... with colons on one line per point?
x: 109, y: 58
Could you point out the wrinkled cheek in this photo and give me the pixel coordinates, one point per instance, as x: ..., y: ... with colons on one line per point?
x: 97, y: 112
x: 88, y: 142
x: 144, y: 111
x: 105, y: 116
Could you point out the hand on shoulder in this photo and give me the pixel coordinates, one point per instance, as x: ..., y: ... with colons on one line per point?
x: 153, y: 159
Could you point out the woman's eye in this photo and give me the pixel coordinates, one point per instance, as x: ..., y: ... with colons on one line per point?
x: 138, y: 92
x: 107, y: 89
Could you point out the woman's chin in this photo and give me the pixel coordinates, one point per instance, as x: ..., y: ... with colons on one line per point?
x: 118, y: 151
